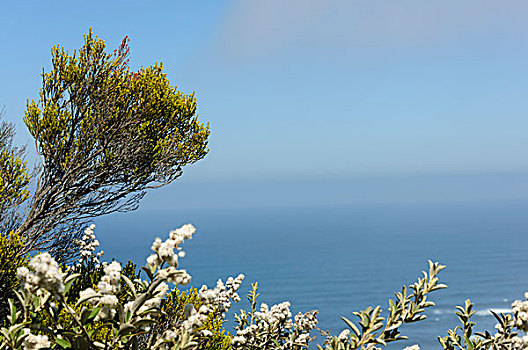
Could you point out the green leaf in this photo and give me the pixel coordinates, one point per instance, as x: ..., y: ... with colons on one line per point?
x: 88, y: 315
x: 12, y: 309
x: 126, y: 328
x: 69, y: 281
x: 148, y: 272
x: 63, y: 343
x: 85, y: 299
x: 469, y: 343
x: 352, y: 326
x: 130, y: 285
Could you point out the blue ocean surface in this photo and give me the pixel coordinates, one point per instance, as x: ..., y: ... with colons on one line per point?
x: 342, y: 259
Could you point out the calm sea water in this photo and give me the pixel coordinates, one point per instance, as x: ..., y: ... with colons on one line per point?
x: 342, y: 259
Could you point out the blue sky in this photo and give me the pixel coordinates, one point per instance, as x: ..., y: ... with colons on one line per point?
x: 315, y: 90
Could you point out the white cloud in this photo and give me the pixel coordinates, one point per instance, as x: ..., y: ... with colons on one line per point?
x: 255, y: 28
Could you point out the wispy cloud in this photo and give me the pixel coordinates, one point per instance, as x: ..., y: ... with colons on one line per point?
x: 253, y: 28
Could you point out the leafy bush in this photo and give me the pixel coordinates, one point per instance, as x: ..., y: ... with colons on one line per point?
x: 93, y: 305
x: 10, y: 261
x: 173, y: 312
x: 14, y: 177
x: 104, y: 134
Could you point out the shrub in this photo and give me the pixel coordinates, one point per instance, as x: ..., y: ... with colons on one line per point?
x: 10, y: 261
x: 93, y: 305
x: 105, y: 134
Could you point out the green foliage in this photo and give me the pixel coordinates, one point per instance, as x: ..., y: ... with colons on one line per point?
x: 107, y: 307
x: 454, y: 340
x: 10, y: 259
x: 172, y: 308
x: 105, y: 134
x: 462, y: 338
x: 375, y: 330
x: 14, y: 177
x: 90, y: 274
x: 89, y: 93
x: 173, y: 312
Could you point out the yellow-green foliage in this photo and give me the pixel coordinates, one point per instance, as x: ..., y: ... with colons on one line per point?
x: 92, y: 106
x: 105, y: 134
x: 173, y: 307
x: 10, y: 259
x: 14, y: 180
x: 89, y: 276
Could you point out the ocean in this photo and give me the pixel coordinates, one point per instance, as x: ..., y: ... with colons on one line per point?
x: 340, y: 259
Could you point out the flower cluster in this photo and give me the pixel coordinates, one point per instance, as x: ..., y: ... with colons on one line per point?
x: 46, y: 274
x: 138, y: 319
x: 165, y: 254
x: 108, y: 287
x: 35, y: 342
x: 244, y: 336
x: 87, y: 245
x: 276, y: 323
x: 304, y: 323
x: 220, y: 297
x: 412, y: 347
x: 279, y: 313
x: 194, y: 318
x: 344, y: 336
x: 520, y: 311
x: 163, y: 267
x: 519, y: 343
x: 138, y: 311
x: 307, y: 321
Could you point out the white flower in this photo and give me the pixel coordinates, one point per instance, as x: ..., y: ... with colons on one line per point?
x: 186, y: 231
x: 306, y: 322
x: 344, y: 335
x: 279, y: 313
x: 109, y: 283
x: 520, y: 311
x: 106, y: 313
x: 109, y: 300
x: 114, y: 266
x: 87, y: 245
x: 169, y: 335
x: 165, y: 249
x: 152, y: 260
x: 303, y: 338
x: 413, y: 347
x: 106, y: 287
x: 34, y: 342
x: 46, y: 274
x: 221, y: 296
x: 204, y: 309
x: 238, y: 340
x: 156, y: 244
x: 89, y: 293
x: 166, y: 252
x: 22, y: 272
x: 161, y: 290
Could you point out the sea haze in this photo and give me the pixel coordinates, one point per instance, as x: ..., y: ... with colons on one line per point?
x: 339, y: 259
